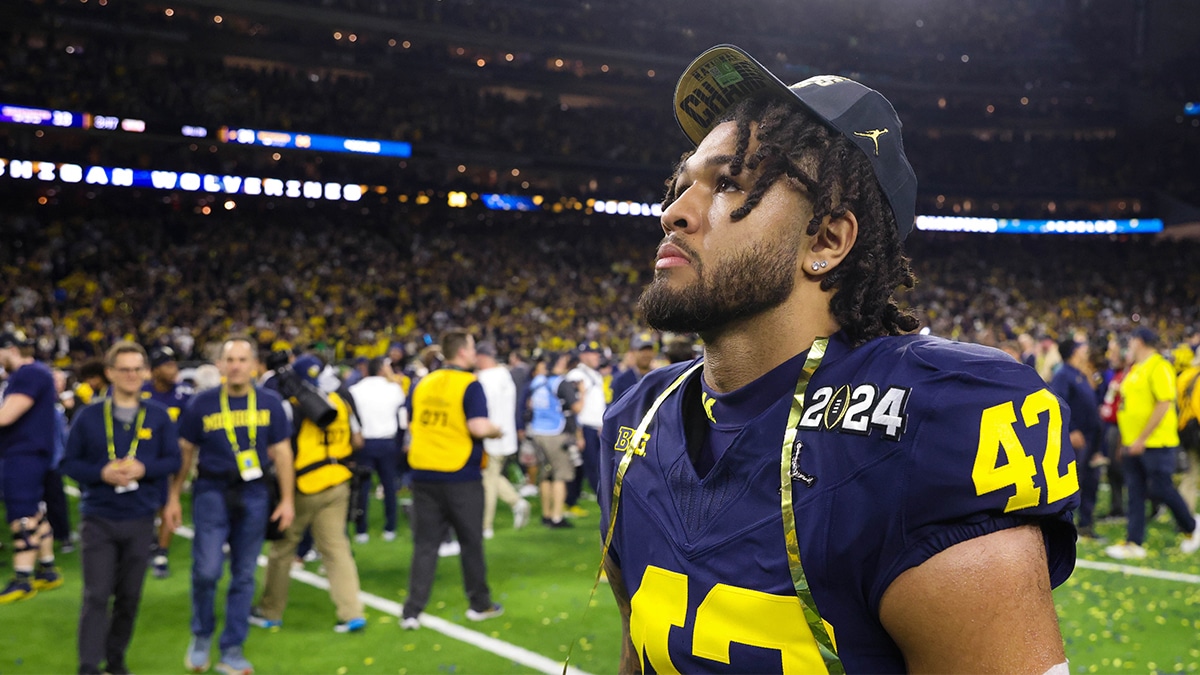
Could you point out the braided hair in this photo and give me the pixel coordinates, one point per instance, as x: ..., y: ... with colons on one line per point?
x: 838, y: 178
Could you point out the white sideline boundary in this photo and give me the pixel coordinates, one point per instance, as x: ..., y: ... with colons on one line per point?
x: 448, y: 628
x: 1138, y: 571
x: 551, y: 667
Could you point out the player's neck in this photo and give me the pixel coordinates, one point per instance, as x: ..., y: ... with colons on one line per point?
x: 124, y: 399
x: 164, y: 386
x: 743, y: 352
x: 237, y: 389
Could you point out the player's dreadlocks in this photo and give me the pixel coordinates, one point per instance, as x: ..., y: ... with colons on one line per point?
x: 830, y: 167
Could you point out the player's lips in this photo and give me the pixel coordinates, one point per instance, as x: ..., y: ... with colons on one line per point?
x: 670, y: 255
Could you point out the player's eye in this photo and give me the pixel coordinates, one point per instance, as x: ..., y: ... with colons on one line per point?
x: 727, y: 184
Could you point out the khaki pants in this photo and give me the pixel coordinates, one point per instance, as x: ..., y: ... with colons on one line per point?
x: 325, y: 512
x: 1190, y: 483
x: 496, y: 484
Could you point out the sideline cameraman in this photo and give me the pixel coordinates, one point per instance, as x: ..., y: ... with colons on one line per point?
x: 324, y: 444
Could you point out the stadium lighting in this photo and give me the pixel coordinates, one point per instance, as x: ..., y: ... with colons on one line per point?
x: 49, y: 172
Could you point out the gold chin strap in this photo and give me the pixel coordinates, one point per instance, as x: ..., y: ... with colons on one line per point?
x: 791, y: 447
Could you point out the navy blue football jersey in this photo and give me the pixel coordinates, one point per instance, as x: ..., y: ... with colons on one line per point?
x: 909, y: 445
x: 174, y: 400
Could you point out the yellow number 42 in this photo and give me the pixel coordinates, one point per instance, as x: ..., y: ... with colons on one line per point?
x: 997, y: 434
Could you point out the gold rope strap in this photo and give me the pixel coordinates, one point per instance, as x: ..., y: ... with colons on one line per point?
x: 635, y: 442
x: 790, y: 451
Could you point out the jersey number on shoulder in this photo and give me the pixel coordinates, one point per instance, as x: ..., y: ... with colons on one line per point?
x: 998, y: 436
x: 728, y: 614
x: 858, y: 410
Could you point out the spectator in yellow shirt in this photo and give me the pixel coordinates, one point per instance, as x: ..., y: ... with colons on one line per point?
x: 1149, y: 429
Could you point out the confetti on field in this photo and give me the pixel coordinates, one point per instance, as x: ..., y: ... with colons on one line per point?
x: 369, y: 661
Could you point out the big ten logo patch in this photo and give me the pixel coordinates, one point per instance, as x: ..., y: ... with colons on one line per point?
x: 625, y: 438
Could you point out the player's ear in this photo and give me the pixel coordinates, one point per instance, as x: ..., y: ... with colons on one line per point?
x: 832, y: 243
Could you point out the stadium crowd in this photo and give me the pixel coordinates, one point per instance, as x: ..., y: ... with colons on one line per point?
x: 350, y: 283
x: 1023, y: 110
x: 1062, y: 137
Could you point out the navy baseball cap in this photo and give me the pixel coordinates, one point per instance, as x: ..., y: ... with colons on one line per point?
x: 643, y: 340
x: 1146, y: 335
x: 161, y: 355
x: 12, y: 339
x: 592, y: 347
x: 309, y: 367
x: 725, y: 75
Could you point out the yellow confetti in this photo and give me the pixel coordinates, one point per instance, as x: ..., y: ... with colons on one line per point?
x: 369, y: 661
x: 342, y: 670
x: 409, y: 647
x: 437, y: 648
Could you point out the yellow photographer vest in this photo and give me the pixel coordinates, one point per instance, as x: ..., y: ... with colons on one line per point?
x: 319, y: 451
x: 440, y: 440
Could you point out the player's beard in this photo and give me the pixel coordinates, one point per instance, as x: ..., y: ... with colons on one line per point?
x: 746, y: 284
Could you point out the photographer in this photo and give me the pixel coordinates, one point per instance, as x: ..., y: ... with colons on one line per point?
x: 328, y: 432
x: 554, y: 401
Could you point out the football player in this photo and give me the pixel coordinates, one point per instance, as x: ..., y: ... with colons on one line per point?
x: 820, y: 492
x: 164, y: 388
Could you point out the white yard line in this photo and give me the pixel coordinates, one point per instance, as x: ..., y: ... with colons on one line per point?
x: 1138, y: 571
x: 448, y: 628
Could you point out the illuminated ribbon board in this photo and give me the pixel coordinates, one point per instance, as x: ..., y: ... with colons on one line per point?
x: 186, y: 181
x: 17, y: 114
x: 318, y: 142
x: 1025, y: 226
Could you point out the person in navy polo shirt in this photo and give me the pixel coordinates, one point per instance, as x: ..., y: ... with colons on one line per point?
x: 235, y: 433
x: 162, y: 388
x: 27, y: 428
x: 122, y: 451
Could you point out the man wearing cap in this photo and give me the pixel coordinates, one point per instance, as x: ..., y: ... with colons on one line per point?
x: 323, y: 473
x: 821, y: 492
x: 122, y: 451
x: 164, y: 389
x: 1148, y: 422
x: 643, y: 350
x: 234, y: 433
x: 586, y: 375
x: 27, y: 433
x: 1073, y: 385
x: 553, y: 404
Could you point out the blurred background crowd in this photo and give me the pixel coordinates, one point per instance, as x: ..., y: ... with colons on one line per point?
x: 1029, y: 109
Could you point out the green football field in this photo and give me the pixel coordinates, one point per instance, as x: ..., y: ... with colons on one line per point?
x: 1138, y: 618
